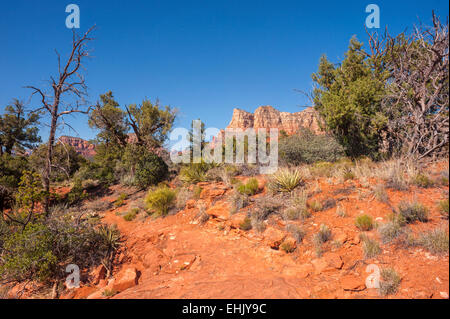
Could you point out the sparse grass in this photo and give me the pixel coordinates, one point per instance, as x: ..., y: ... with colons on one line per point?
x: 265, y: 206
x: 120, y: 200
x: 324, y: 234
x: 322, y: 169
x: 246, y: 224
x: 371, y: 247
x: 285, y: 180
x: 183, y: 195
x: 443, y: 208
x: 257, y: 224
x: 413, y: 211
x: 435, y: 241
x: 202, y: 216
x: 160, y: 200
x: 315, y: 206
x: 109, y: 292
x: 295, y: 213
x: 288, y: 247
x: 390, y: 281
x: 422, y: 180
x: 389, y: 231
x: 131, y: 214
x: 250, y: 188
x: 364, y: 222
x: 379, y: 192
x: 392, y: 173
x: 328, y: 203
x: 196, y: 192
x: 99, y: 205
x: 297, y: 232
x: 340, y: 211
x: 238, y: 201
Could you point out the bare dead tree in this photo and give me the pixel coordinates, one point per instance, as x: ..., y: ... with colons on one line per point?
x: 417, y: 102
x: 70, y: 84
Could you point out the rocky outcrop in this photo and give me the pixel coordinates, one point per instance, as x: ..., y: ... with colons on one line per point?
x: 80, y: 145
x: 268, y: 117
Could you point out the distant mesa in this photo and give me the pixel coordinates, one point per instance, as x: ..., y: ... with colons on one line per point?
x: 80, y: 145
x: 267, y: 117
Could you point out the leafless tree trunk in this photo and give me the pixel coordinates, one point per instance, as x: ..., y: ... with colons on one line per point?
x: 70, y: 81
x: 417, y: 102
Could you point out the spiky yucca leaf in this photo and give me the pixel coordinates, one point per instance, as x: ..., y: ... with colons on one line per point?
x: 285, y: 180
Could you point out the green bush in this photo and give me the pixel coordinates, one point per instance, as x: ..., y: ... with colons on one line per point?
x: 364, y: 222
x: 120, y: 200
x: 150, y: 170
x: 76, y: 193
x: 41, y: 249
x: 160, y: 200
x: 306, y: 147
x: 412, y: 212
x: 250, y: 188
x: 131, y: 214
x: 443, y: 208
x: 285, y: 180
x: 422, y: 180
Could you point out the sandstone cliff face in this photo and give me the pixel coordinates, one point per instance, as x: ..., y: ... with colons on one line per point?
x: 268, y: 117
x: 81, y: 146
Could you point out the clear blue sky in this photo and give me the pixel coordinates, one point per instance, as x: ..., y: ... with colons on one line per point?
x: 203, y: 57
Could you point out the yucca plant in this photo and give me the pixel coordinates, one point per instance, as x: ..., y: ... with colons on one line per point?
x: 285, y: 180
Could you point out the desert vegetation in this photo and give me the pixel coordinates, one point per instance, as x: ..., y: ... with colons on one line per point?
x: 372, y: 184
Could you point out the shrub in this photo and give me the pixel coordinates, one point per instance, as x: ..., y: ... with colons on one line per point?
x: 197, y: 191
x: 316, y: 206
x: 296, y: 212
x: 443, y: 208
x: 238, y: 201
x: 379, y: 192
x: 340, y: 211
x: 160, y: 200
x: 435, y: 241
x: 250, y: 188
x: 131, y: 214
x: 364, y: 222
x: 389, y: 231
x: 422, y: 180
x: 265, y: 206
x: 288, y: 247
x: 41, y: 249
x: 150, y: 170
x: 109, y: 292
x: 306, y: 147
x: 297, y: 232
x: 120, y: 200
x: 246, y: 224
x: 195, y: 172
x: 76, y: 193
x: 285, y: 180
x: 322, y: 169
x: 390, y: 281
x: 412, y: 212
x: 371, y: 248
x: 324, y: 234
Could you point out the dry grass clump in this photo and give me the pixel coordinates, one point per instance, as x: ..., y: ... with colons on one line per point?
x: 160, y: 200
x: 443, y: 208
x: 250, y: 188
x: 421, y: 180
x: 238, y: 201
x: 288, y: 247
x: 246, y: 224
x: 390, y: 281
x: 393, y: 173
x: 297, y: 232
x: 364, y: 222
x: 412, y: 211
x: 435, y: 241
x: 390, y: 231
x: 131, y: 214
x: 380, y: 194
x: 202, y: 216
x: 371, y: 247
x: 340, y: 211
